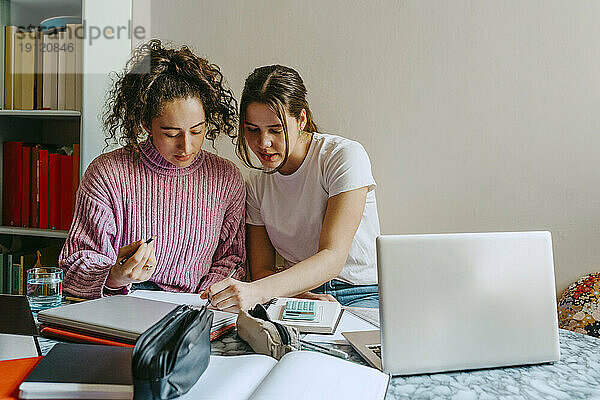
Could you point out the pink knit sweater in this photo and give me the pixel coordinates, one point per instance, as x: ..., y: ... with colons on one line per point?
x: 196, y: 212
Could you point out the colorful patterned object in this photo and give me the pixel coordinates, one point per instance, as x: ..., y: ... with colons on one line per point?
x: 579, y: 306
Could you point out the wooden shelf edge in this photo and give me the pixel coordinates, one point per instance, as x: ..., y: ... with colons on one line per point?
x: 12, y: 230
x: 40, y: 113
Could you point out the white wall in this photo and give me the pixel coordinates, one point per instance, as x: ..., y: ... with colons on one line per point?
x: 477, y: 115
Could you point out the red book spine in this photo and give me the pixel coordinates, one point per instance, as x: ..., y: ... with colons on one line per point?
x: 66, y: 185
x: 75, y: 173
x: 34, y: 206
x: 54, y: 191
x: 25, y: 185
x: 11, y: 188
x: 61, y: 334
x: 44, y: 189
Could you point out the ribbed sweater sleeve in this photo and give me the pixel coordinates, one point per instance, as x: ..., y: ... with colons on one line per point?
x: 89, y: 253
x: 231, y: 249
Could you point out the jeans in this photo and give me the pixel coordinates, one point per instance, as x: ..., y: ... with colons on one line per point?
x: 148, y: 285
x: 351, y: 295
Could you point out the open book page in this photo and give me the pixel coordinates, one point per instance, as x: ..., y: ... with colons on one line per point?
x: 234, y: 377
x: 310, y: 375
x: 348, y: 323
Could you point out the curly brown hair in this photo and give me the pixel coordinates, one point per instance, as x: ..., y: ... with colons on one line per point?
x: 156, y: 75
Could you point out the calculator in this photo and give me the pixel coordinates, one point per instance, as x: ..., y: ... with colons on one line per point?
x: 296, y: 310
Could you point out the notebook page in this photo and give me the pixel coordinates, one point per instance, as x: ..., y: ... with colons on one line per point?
x: 309, y: 375
x: 231, y: 377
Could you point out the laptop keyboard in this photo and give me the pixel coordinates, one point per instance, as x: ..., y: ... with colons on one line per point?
x: 375, y: 348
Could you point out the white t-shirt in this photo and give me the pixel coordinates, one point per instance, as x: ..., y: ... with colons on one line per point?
x: 292, y: 207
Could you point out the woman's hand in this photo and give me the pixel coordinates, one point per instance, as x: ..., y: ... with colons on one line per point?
x: 138, y: 268
x: 232, y: 295
x: 316, y: 296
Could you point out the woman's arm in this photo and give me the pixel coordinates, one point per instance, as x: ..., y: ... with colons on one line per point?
x: 89, y: 252
x: 342, y: 218
x: 231, y: 248
x: 261, y: 253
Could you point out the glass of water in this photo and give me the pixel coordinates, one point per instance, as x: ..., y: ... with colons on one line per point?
x: 44, y: 287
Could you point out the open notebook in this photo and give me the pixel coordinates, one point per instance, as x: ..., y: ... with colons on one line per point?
x: 298, y: 375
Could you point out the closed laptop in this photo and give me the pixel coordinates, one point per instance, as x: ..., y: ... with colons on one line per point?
x: 465, y: 301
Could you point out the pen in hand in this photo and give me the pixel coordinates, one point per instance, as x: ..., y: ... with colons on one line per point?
x: 128, y: 256
x: 229, y: 275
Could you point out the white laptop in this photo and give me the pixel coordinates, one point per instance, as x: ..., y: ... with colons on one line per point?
x: 463, y: 301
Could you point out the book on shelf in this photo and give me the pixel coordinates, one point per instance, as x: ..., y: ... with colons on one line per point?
x: 11, y: 181
x: 34, y: 198
x: 25, y: 184
x: 39, y: 185
x: 78, y: 66
x: 49, y: 70
x: 4, y: 21
x: 42, y: 68
x: 44, y: 192
x: 9, y: 66
x: 62, y: 69
x: 14, y: 266
x: 66, y: 191
x: 54, y: 165
x: 24, y: 75
x: 69, y: 55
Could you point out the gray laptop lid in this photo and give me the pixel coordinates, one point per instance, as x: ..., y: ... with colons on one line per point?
x: 124, y: 317
x: 464, y: 301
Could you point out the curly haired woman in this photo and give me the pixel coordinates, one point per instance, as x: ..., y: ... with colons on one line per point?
x: 160, y: 184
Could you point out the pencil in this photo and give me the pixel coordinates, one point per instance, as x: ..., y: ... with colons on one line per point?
x: 128, y: 256
x: 75, y: 299
x: 328, y: 350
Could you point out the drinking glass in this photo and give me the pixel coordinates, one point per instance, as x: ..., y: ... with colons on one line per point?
x: 44, y: 287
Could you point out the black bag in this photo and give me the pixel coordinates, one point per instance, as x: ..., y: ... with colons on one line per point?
x: 171, y: 355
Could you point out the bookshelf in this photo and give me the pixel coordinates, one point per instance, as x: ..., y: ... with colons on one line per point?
x: 40, y: 113
x: 48, y: 233
x: 99, y: 57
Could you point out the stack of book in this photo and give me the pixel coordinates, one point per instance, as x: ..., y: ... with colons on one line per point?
x: 39, y: 185
x: 42, y: 67
x: 14, y: 266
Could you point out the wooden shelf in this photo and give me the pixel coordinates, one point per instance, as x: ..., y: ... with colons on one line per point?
x: 50, y: 233
x: 41, y: 113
